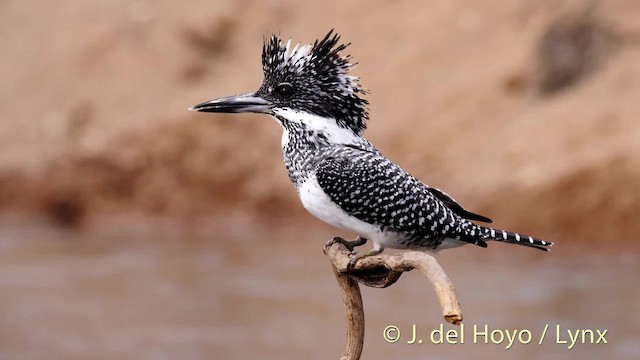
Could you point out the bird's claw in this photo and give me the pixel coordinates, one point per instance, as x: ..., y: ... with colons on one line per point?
x: 335, y: 239
x: 349, y: 244
x: 354, y: 256
x: 351, y: 265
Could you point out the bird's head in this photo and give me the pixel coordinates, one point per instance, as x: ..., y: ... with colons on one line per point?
x: 300, y: 81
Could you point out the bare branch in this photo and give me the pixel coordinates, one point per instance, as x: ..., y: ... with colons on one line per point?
x: 382, y: 271
x: 354, y: 316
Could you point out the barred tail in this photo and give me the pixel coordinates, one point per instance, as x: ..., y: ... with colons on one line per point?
x: 514, y: 238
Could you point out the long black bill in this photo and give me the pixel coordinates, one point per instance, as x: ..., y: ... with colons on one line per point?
x: 235, y: 104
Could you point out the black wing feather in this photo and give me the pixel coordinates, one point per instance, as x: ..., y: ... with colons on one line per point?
x: 457, y: 208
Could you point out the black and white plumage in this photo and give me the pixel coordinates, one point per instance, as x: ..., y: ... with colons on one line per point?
x: 340, y: 177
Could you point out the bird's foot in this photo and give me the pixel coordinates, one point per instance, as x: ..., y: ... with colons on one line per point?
x: 351, y: 266
x: 350, y: 244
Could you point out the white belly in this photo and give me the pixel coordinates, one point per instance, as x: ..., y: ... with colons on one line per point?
x: 318, y: 203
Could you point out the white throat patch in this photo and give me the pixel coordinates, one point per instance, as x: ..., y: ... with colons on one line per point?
x: 326, y: 126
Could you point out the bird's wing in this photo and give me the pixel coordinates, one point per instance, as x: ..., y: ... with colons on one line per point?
x: 455, y: 207
x: 373, y: 189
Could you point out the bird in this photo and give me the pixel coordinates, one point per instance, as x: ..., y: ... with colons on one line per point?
x: 340, y: 177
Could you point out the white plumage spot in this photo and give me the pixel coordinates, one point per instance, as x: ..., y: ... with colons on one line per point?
x: 298, y: 54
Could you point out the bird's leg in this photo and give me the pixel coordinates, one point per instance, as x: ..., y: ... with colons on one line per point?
x: 350, y: 244
x: 351, y: 266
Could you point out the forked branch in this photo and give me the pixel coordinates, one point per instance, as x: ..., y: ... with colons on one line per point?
x: 382, y: 271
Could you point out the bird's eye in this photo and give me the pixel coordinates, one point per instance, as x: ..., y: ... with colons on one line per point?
x: 284, y: 90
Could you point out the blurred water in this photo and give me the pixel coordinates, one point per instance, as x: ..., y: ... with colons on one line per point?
x: 265, y: 294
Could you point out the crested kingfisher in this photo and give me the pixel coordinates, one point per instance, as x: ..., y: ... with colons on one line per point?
x: 340, y: 177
